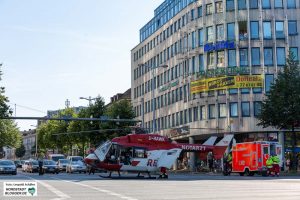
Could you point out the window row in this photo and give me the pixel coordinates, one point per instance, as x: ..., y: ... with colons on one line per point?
x: 162, y: 16
x: 210, y: 34
x: 211, y: 111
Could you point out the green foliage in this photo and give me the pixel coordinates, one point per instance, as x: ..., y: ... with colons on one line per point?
x: 9, y: 134
x: 20, y: 151
x: 281, y: 108
x: 4, y: 108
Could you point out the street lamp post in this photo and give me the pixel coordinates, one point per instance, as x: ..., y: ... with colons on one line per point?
x: 152, y: 93
x: 36, y: 142
x: 90, y: 99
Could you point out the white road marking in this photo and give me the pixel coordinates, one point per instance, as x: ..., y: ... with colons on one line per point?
x: 100, y: 190
x: 59, y: 193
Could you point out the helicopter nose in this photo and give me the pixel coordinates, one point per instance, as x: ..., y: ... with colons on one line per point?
x: 90, y: 158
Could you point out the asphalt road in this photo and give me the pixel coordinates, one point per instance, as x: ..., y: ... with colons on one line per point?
x: 183, y: 186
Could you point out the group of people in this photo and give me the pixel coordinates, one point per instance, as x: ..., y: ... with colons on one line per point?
x: 273, y: 165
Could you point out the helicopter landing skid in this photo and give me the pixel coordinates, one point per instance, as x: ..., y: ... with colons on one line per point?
x: 127, y: 177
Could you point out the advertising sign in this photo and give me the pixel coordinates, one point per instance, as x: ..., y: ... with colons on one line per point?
x: 227, y: 82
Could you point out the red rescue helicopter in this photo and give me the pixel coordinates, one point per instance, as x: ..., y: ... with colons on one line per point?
x: 146, y: 153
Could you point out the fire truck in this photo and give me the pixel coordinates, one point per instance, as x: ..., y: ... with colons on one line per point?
x: 249, y: 158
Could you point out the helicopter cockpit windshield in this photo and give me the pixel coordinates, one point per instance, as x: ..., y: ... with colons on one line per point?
x: 102, y: 150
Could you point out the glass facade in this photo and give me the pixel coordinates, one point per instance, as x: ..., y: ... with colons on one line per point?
x: 181, y: 40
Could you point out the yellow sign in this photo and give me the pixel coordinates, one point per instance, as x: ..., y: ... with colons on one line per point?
x: 227, y: 82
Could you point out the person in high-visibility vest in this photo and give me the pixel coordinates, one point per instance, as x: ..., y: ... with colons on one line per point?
x: 269, y: 164
x: 276, y: 168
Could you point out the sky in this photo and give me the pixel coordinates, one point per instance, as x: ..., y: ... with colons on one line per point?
x: 54, y: 50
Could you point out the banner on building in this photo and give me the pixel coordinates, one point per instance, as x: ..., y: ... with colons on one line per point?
x: 185, y: 130
x: 227, y: 82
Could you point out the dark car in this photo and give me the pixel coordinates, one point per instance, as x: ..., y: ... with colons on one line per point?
x: 49, y: 166
x: 18, y: 163
x: 8, y: 167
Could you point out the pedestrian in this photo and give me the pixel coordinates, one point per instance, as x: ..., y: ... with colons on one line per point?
x: 41, y: 167
x: 210, y: 160
x: 91, y: 170
x: 287, y: 165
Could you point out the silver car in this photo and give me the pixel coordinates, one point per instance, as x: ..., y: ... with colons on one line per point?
x: 8, y: 167
x: 76, y: 166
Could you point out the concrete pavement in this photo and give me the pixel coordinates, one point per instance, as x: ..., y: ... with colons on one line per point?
x: 178, y: 186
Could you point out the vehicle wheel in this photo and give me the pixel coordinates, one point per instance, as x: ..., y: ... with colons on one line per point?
x: 247, y: 172
x: 242, y: 173
x: 85, y: 172
x: 14, y: 173
x: 80, y: 172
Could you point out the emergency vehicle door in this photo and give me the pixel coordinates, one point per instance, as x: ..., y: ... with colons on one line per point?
x: 254, y: 158
x: 265, y: 153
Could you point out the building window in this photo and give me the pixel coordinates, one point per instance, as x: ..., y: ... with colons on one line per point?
x: 269, y: 79
x: 230, y: 31
x: 201, y: 63
x: 292, y: 27
x: 220, y: 32
x: 243, y: 57
x: 268, y: 55
x: 242, y: 4
x: 278, y: 4
x: 243, y: 31
x: 202, y: 113
x: 254, y: 26
x: 209, y: 9
x: 199, y: 11
x: 280, y: 54
x: 221, y: 92
x: 279, y: 30
x: 231, y: 58
x: 245, y: 90
x: 267, y: 30
x: 257, y: 90
x: 193, y: 39
x: 266, y: 4
x: 210, y: 60
x: 291, y: 4
x: 200, y: 37
x: 192, y: 15
x: 222, y: 110
x: 229, y: 5
x: 233, y: 91
x: 219, y: 7
x: 294, y: 50
x: 257, y: 108
x: 245, y: 109
x: 253, y: 4
x: 255, y: 56
x: 195, y: 113
x: 220, y: 59
x: 234, y: 109
x: 212, y: 111
x: 190, y: 115
x: 210, y: 34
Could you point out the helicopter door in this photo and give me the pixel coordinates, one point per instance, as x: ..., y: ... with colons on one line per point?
x: 101, y: 151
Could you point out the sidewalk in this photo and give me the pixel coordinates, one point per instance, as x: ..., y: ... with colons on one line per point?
x: 186, y: 171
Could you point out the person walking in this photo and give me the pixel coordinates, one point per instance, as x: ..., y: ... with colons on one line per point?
x: 41, y: 167
x: 210, y: 160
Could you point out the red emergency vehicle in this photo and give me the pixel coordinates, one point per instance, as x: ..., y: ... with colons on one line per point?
x: 249, y: 158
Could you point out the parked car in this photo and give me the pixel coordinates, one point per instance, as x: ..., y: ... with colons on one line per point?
x: 75, y: 158
x: 56, y: 157
x: 76, y: 166
x: 33, y: 166
x: 25, y: 165
x: 62, y: 164
x: 49, y: 166
x: 8, y: 167
x: 18, y: 163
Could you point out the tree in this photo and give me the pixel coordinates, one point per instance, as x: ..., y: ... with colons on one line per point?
x: 20, y: 151
x: 281, y: 108
x: 4, y: 108
x: 121, y: 109
x: 9, y: 134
